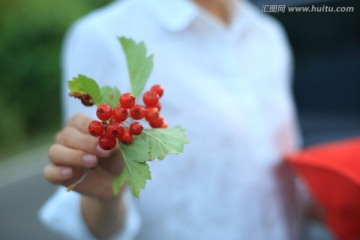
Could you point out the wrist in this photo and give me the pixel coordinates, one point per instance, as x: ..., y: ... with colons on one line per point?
x: 105, y: 204
x: 104, y: 217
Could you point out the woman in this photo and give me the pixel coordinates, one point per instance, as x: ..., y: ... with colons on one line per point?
x: 226, y: 70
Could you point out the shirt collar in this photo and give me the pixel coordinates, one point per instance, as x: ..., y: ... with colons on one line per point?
x: 174, y: 15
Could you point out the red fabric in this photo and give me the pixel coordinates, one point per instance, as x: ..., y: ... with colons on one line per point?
x: 332, y: 174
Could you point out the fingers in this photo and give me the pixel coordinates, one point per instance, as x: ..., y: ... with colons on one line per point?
x: 57, y: 174
x: 65, y: 156
x: 75, y: 135
x: 75, y: 151
x: 81, y: 122
x: 73, y: 138
x: 113, y: 164
x: 103, y: 153
x: 62, y: 175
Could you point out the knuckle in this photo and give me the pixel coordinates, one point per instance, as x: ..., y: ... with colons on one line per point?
x: 48, y: 174
x: 65, y: 137
x: 73, y: 158
x: 88, y: 143
x: 79, y: 119
x: 73, y: 119
x: 52, y: 151
x: 84, y: 121
x: 58, y: 136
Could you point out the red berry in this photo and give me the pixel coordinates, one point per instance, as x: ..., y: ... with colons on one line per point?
x: 120, y: 114
x: 137, y: 112
x: 106, y: 142
x: 151, y: 114
x: 127, y: 100
x: 96, y: 128
x: 114, y: 129
x: 158, y: 89
x: 104, y: 112
x: 136, y: 128
x: 164, y: 125
x: 157, y: 123
x: 126, y: 138
x: 158, y: 106
x: 150, y: 98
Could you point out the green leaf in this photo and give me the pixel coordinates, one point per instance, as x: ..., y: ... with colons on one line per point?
x: 81, y: 86
x: 139, y: 64
x: 163, y: 141
x: 110, y: 95
x: 134, y: 174
x: 151, y: 144
x: 137, y: 151
x: 136, y: 170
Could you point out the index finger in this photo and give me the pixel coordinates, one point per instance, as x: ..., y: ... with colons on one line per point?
x: 81, y: 122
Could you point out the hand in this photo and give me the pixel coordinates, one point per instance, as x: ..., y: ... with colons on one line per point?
x: 74, y: 152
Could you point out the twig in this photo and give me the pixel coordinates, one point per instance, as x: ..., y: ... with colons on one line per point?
x: 72, y: 186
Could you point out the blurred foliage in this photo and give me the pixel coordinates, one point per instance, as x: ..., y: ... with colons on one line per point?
x: 322, y: 31
x: 327, y: 51
x: 31, y: 36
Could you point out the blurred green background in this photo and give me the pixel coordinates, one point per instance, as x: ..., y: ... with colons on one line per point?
x: 31, y: 35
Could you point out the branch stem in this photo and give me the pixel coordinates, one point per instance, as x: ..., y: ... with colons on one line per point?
x: 72, y: 186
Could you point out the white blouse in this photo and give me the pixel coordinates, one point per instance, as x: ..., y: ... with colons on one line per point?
x: 229, y: 86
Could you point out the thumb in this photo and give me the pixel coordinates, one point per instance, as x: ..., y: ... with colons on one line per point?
x: 111, y: 160
x: 103, y: 153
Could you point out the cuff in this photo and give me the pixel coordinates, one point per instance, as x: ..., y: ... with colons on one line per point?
x: 62, y: 214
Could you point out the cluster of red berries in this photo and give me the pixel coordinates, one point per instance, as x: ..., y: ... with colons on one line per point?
x: 120, y: 122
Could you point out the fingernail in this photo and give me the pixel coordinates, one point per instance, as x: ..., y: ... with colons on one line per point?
x: 89, y: 159
x: 66, y: 172
x: 102, y: 152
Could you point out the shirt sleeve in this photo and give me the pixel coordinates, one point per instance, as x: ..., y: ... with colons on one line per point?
x: 62, y: 214
x: 92, y: 51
